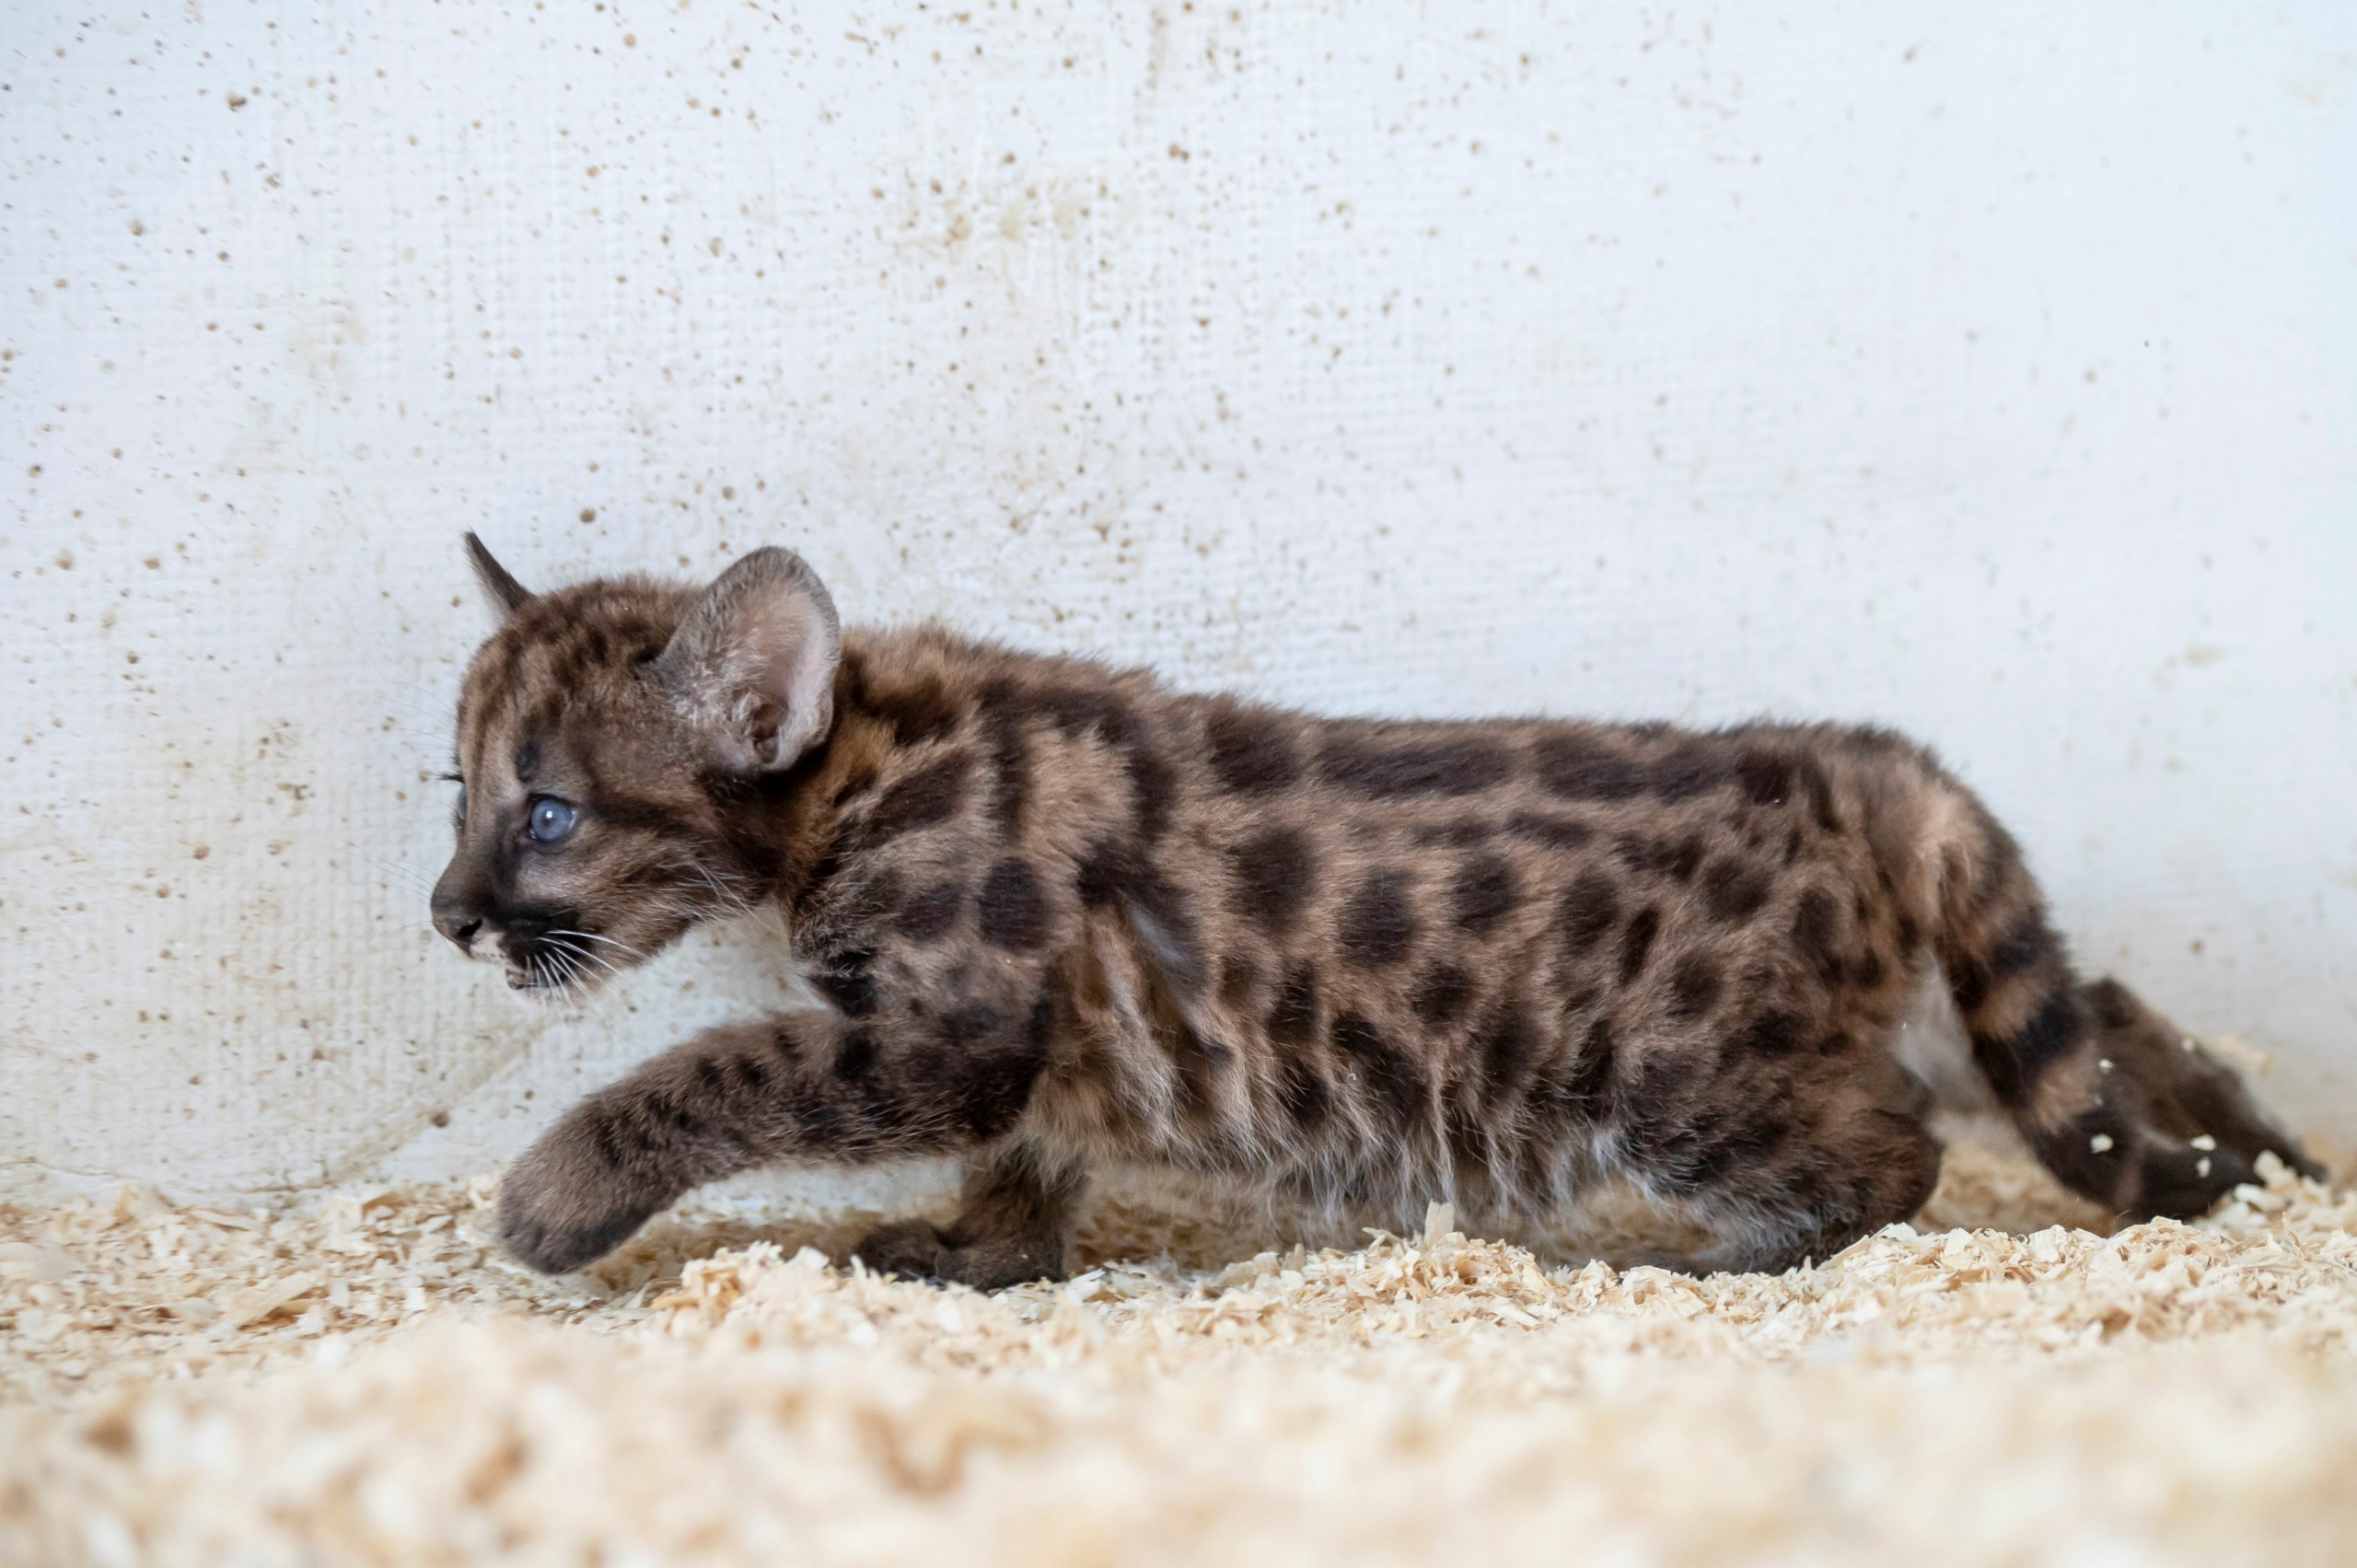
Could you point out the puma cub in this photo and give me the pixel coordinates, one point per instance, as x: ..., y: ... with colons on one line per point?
x: 1069, y: 921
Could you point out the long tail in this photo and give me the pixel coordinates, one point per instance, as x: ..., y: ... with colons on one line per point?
x: 2117, y: 1102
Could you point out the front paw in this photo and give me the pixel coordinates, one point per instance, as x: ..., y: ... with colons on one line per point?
x: 563, y: 1205
x: 910, y: 1249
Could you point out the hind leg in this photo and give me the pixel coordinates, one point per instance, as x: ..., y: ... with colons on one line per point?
x: 1784, y: 1162
x: 1874, y: 1169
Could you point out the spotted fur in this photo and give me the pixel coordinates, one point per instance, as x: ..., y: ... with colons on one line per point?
x: 1066, y: 922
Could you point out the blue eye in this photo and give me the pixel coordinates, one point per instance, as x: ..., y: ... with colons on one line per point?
x: 551, y: 820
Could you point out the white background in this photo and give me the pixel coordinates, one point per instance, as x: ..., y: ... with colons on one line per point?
x: 1987, y: 370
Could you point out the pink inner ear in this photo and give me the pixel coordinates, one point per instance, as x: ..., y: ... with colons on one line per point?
x: 753, y: 662
x: 761, y: 726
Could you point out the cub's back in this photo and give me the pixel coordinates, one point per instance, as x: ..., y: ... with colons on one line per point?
x: 1386, y: 957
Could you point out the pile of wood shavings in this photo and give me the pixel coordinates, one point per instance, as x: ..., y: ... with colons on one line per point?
x: 364, y: 1380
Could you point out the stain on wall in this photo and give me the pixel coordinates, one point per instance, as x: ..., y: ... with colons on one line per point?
x: 1989, y: 375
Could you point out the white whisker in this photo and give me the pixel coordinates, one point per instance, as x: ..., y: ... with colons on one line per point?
x: 610, y: 941
x: 573, y: 955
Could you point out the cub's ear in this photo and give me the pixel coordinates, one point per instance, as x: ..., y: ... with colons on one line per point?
x: 753, y: 664
x: 507, y: 595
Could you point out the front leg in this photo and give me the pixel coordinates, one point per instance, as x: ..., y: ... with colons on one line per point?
x: 808, y: 1088
x: 1013, y: 1224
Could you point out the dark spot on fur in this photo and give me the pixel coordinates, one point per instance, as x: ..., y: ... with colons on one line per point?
x: 666, y: 1111
x: 1590, y: 1084
x: 2013, y: 1062
x: 1674, y: 858
x: 1303, y: 1090
x: 855, y: 1056
x: 1392, y: 1074
x: 1693, y: 986
x: 1485, y: 892
x: 968, y: 1024
x: 918, y: 712
x: 1240, y: 982
x: 1815, y: 932
x: 1734, y: 891
x: 1154, y: 788
x: 752, y: 1076
x: 928, y: 916
x: 930, y: 796
x: 1507, y: 1043
x: 1441, y: 994
x: 1010, y: 907
x: 1556, y: 832
x: 1637, y: 942
x: 1820, y: 796
x: 1251, y: 753
x: 846, y: 981
x: 1580, y: 767
x: 528, y: 760
x: 1293, y: 1019
x: 607, y: 1140
x: 708, y: 1077
x: 1275, y: 874
x: 1466, y: 832
x: 1377, y: 925
x: 993, y: 1084
x: 1773, y: 1033
x: 1107, y: 872
x: 1010, y: 757
x: 1692, y: 767
x: 1969, y: 982
x: 2021, y: 947
x: 1591, y: 907
x: 816, y: 1120
x: 1080, y: 710
x: 1447, y: 767
x: 1766, y: 777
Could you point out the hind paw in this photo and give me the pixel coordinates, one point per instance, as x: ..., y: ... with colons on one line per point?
x: 2183, y: 1181
x: 910, y: 1249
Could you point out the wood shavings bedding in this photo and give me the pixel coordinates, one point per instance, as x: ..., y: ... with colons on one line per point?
x: 363, y: 1379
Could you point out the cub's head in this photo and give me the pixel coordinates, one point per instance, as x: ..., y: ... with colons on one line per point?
x: 610, y: 737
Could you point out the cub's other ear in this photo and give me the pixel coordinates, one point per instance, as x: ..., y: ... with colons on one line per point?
x: 507, y: 594
x: 753, y: 664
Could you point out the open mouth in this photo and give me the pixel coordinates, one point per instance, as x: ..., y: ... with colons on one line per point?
x: 534, y: 969
x: 556, y: 955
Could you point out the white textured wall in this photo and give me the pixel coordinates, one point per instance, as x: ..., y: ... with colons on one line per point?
x: 1985, y: 369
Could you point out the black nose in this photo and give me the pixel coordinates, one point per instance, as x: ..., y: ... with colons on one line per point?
x: 457, y: 907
